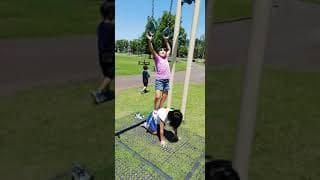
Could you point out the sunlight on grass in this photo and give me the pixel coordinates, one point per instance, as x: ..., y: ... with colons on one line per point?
x: 131, y: 101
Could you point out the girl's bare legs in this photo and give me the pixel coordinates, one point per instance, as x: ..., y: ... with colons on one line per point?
x: 157, y: 99
x: 163, y: 98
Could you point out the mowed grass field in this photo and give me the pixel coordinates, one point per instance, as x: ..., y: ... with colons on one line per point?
x: 286, y: 144
x: 131, y: 101
x: 43, y: 131
x: 128, y: 64
x: 46, y: 129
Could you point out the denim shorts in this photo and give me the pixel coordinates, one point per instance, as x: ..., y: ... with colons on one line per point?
x: 152, y: 123
x: 162, y: 84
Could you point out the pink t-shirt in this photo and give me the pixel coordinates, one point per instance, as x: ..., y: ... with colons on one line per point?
x: 162, y: 67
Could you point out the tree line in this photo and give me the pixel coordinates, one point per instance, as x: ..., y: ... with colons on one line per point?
x: 140, y: 46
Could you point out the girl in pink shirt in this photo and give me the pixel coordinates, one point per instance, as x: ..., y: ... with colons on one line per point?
x: 162, y: 72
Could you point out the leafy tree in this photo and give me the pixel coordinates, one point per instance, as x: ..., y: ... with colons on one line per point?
x: 199, y: 47
x: 202, y: 46
x: 183, y: 51
x: 122, y: 45
x: 166, y: 20
x: 135, y: 46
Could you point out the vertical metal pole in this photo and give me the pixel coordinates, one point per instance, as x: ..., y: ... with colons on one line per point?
x: 175, y: 44
x: 190, y: 55
x: 246, y: 124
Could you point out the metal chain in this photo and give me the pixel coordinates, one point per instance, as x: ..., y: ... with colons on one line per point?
x: 171, y: 2
x: 152, y: 13
x: 170, y: 10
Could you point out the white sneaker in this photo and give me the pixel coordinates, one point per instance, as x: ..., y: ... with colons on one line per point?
x: 144, y: 125
x: 138, y: 116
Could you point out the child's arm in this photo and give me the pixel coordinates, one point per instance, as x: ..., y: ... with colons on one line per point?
x: 162, y: 133
x: 167, y: 44
x: 151, y: 49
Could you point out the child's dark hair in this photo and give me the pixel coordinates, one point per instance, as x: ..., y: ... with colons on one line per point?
x: 107, y: 10
x: 145, y: 67
x: 175, y: 117
x: 165, y: 49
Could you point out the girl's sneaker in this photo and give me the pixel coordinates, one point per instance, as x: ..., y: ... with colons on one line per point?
x: 100, y: 97
x: 97, y: 97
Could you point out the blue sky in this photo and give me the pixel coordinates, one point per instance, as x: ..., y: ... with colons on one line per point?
x: 131, y: 16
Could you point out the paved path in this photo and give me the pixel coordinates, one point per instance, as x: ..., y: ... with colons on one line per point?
x: 125, y: 82
x: 294, y: 41
x: 38, y: 62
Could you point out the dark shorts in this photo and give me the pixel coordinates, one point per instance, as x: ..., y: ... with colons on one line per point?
x: 107, y: 64
x: 108, y: 69
x: 145, y: 82
x: 162, y: 85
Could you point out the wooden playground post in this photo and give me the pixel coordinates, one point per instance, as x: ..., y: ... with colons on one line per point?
x: 190, y: 55
x: 246, y: 124
x: 175, y: 44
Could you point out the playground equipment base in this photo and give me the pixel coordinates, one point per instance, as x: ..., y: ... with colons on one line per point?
x: 138, y: 155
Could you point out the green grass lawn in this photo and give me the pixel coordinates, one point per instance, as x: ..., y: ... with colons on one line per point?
x: 231, y: 9
x: 43, y: 131
x: 286, y: 144
x: 131, y: 101
x: 128, y: 65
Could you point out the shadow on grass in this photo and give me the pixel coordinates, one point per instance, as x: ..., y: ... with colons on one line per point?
x: 169, y: 135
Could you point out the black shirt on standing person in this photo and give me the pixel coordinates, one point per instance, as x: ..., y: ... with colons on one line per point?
x: 106, y: 39
x: 106, y: 45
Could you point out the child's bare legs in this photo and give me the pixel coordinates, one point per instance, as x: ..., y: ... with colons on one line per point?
x: 163, y: 98
x: 104, y: 84
x: 157, y: 99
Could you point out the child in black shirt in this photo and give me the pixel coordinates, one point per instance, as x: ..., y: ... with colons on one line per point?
x: 145, y: 79
x: 106, y: 46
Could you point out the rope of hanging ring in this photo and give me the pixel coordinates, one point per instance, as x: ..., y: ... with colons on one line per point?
x: 152, y: 13
x: 171, y: 1
x: 152, y: 10
x: 170, y: 13
x: 170, y: 10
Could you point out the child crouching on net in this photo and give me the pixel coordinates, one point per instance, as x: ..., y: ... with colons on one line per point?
x: 155, y: 124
